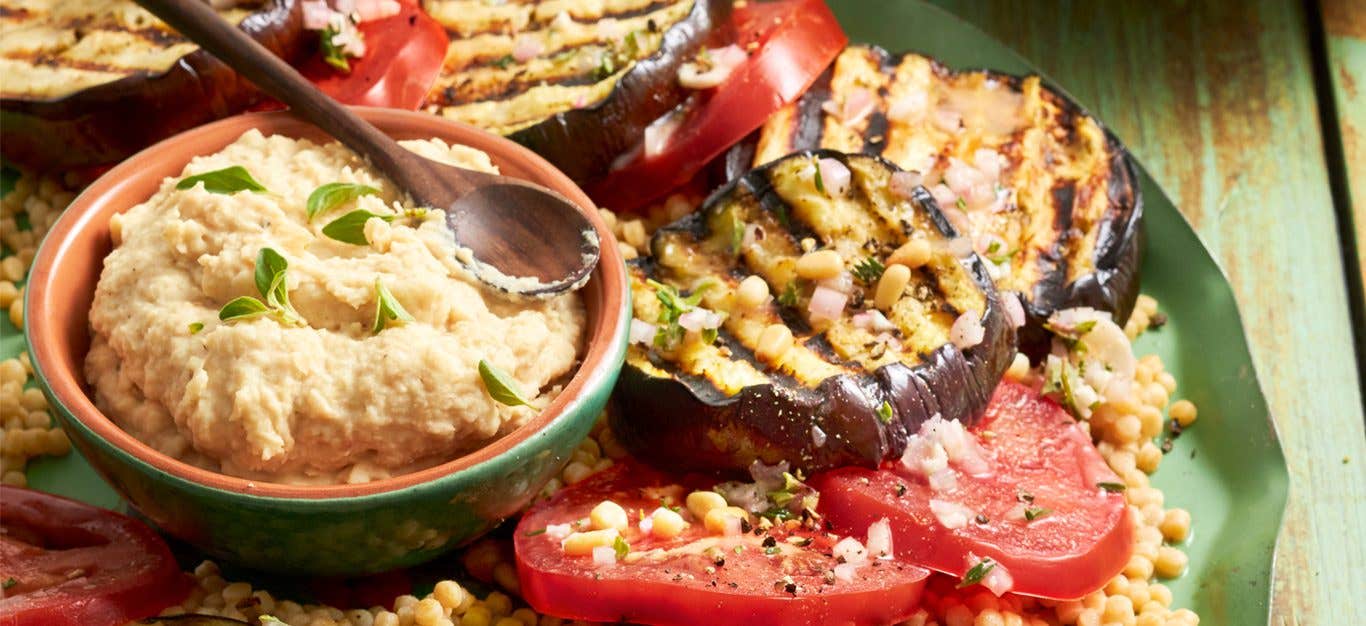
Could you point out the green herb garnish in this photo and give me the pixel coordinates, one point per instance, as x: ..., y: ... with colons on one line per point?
x: 333, y: 54
x: 228, y: 180
x: 772, y: 550
x: 735, y: 231
x: 195, y: 327
x: 961, y: 204
x: 534, y: 533
x: 789, y: 295
x: 672, y: 306
x: 333, y: 195
x: 271, y: 284
x: 501, y: 386
x: 242, y: 308
x: 977, y: 573
x: 387, y: 309
x: 503, y: 62
x: 1035, y: 512
x: 884, y: 412
x: 1112, y: 487
x: 820, y: 183
x: 350, y: 228
x: 869, y: 270
x: 9, y: 583
x: 622, y: 548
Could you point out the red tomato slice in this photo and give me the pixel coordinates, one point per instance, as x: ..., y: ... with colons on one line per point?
x: 403, y: 55
x: 64, y: 563
x: 1036, y: 449
x: 682, y: 581
x: 792, y: 42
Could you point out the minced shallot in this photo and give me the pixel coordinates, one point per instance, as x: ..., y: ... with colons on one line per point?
x: 951, y: 515
x: 827, y: 304
x: 604, y: 556
x: 835, y: 176
x: 967, y: 330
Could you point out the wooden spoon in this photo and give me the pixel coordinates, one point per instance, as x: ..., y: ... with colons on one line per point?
x: 515, y: 230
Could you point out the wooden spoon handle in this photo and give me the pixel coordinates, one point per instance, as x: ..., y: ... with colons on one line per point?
x: 195, y: 20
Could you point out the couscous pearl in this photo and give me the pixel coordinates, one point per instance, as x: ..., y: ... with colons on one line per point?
x: 701, y: 502
x: 1183, y: 411
x: 1170, y: 562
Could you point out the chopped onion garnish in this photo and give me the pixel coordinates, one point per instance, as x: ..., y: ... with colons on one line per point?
x: 903, y: 183
x: 961, y: 177
x: 846, y: 571
x: 646, y: 524
x: 943, y: 481
x: 951, y: 515
x: 604, y: 555
x: 873, y: 320
x: 909, y: 107
x: 611, y: 28
x: 527, y: 47
x: 642, y: 331
x: 842, y: 282
x: 692, y: 320
x: 1014, y: 310
x: 960, y: 247
x: 558, y: 531
x: 967, y: 330
x: 826, y: 304
x: 880, y: 539
x: 562, y: 20
x: 924, y: 456
x: 817, y: 436
x: 713, y: 70
x: 857, y: 106
x: 851, y: 550
x: 998, y: 580
x: 660, y: 131
x: 943, y: 196
x: 316, y: 14
x: 732, y: 526
x: 834, y: 176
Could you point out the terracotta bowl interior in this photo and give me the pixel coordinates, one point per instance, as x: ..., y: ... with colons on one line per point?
x: 67, y: 268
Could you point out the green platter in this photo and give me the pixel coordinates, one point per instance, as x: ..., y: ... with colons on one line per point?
x: 1227, y: 470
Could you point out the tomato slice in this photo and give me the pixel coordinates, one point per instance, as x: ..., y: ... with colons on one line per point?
x: 403, y: 55
x: 1039, y: 461
x: 792, y: 42
x: 698, y: 577
x: 64, y: 563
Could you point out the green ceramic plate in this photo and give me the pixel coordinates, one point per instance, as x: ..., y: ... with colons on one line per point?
x: 1227, y: 470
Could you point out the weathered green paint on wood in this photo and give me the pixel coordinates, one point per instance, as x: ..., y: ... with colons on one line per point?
x: 1344, y: 24
x: 1217, y: 99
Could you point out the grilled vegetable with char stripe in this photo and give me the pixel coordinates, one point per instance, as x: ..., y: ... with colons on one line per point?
x: 1048, y: 195
x: 801, y: 376
x: 575, y: 80
x: 90, y: 83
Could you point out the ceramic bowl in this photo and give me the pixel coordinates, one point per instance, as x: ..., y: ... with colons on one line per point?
x: 319, y: 530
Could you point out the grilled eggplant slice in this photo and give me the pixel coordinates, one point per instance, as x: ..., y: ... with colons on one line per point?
x: 1064, y: 213
x: 846, y: 392
x: 577, y: 81
x: 92, y: 82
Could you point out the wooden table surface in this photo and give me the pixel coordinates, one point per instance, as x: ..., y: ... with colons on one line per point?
x: 1251, y: 115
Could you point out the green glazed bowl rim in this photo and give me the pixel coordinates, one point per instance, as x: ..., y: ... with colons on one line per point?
x: 54, y: 333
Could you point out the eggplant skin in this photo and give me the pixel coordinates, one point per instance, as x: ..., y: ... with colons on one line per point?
x: 109, y: 122
x: 584, y: 142
x: 1066, y: 171
x: 682, y: 422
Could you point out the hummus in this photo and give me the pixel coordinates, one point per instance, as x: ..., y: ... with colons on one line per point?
x: 330, y: 400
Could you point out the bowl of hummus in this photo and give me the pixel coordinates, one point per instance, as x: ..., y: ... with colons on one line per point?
x: 277, y: 357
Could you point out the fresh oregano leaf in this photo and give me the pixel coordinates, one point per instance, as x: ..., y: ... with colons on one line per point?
x: 333, y: 195
x: 500, y: 385
x: 226, y: 181
x: 195, y: 327
x: 350, y: 228
x: 242, y: 308
x: 269, y: 265
x: 387, y: 309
